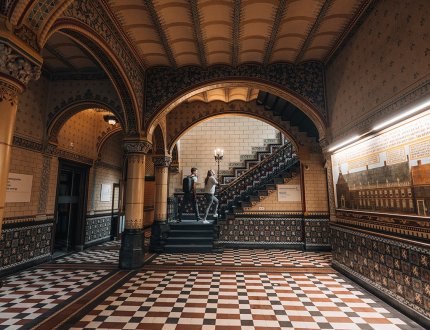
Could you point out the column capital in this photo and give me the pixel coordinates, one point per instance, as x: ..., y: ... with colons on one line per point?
x: 15, y: 67
x: 9, y: 91
x: 136, y: 146
x: 161, y: 160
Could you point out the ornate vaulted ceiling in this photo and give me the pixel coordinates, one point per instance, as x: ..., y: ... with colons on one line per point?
x: 206, y: 32
x: 226, y: 95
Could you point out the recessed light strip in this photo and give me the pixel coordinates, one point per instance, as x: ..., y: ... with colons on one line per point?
x: 344, y: 143
x: 405, y: 114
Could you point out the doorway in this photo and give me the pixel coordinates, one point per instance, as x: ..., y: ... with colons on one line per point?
x: 70, y: 207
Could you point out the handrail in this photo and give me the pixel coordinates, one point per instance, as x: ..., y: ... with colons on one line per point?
x: 256, y: 167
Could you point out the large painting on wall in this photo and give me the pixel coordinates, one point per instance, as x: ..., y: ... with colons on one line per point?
x: 387, y: 173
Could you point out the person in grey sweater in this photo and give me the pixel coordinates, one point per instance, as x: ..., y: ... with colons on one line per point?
x: 210, y: 184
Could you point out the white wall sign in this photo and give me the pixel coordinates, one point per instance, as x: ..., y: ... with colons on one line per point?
x: 289, y: 193
x: 106, y: 192
x: 18, y: 189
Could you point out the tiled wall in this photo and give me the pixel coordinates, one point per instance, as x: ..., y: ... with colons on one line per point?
x: 281, y: 231
x: 315, y: 182
x: 235, y: 134
x: 32, y: 106
x: 98, y: 228
x: 386, y: 58
x: 28, y: 227
x: 25, y: 244
x: 82, y: 131
x: 271, y: 203
x: 397, y: 268
x: 30, y: 163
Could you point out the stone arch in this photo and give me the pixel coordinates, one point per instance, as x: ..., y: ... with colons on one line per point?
x: 311, y: 111
x: 111, y: 64
x: 158, y: 142
x: 67, y: 109
x: 105, y: 136
x: 190, y: 114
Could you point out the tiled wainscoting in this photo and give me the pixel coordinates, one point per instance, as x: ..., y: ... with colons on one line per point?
x: 317, y: 232
x: 98, y: 228
x: 396, y: 269
x: 24, y: 244
x: 266, y: 230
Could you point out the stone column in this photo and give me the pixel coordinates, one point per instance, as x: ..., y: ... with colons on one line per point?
x: 15, y: 73
x: 162, y: 164
x: 8, y: 108
x: 131, y: 254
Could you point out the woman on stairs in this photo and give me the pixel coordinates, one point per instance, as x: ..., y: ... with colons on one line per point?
x: 210, y: 184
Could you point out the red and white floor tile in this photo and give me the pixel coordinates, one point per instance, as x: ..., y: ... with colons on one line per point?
x: 219, y: 300
x: 248, y: 257
x: 87, y: 291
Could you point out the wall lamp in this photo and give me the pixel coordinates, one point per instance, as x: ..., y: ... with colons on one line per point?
x: 110, y: 119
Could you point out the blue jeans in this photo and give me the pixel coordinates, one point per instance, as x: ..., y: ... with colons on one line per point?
x: 211, y: 199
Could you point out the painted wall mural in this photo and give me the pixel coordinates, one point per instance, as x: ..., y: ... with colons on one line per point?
x: 387, y: 173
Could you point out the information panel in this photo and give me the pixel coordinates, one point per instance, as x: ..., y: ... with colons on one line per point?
x: 289, y: 193
x: 18, y: 188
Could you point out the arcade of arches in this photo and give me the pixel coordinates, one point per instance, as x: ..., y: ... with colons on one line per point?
x: 322, y: 111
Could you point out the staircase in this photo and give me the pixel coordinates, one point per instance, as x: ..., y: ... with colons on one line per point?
x: 296, y: 121
x: 190, y: 236
x: 249, y: 161
x: 259, y: 181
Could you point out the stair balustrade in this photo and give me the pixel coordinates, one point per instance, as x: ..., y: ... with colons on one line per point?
x: 257, y: 177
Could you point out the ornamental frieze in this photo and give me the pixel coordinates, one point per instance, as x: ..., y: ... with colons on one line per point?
x: 14, y: 65
x: 137, y: 147
x: 305, y: 79
x: 162, y: 161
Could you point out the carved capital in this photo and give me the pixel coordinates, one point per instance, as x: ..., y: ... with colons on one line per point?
x: 16, y: 66
x: 137, y: 146
x: 162, y: 161
x: 9, y: 93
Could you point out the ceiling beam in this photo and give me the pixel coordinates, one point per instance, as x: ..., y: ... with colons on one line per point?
x: 198, y: 32
x: 205, y: 96
x: 159, y: 28
x: 236, y: 32
x: 60, y: 57
x: 275, y: 29
x: 325, y: 7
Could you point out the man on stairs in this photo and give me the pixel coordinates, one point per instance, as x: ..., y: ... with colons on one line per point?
x: 189, y: 189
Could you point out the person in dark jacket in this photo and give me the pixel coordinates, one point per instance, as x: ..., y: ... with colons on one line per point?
x: 190, y: 196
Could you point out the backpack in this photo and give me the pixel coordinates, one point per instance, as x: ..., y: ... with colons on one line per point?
x: 187, y: 184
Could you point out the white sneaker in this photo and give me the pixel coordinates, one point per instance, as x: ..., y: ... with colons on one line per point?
x: 205, y: 222
x: 215, y: 215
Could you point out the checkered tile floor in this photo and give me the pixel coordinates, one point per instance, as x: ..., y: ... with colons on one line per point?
x: 91, y: 257
x: 247, y: 257
x: 28, y: 295
x: 226, y: 300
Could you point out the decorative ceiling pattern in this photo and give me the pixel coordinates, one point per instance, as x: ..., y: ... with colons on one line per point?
x: 226, y: 95
x: 178, y: 33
